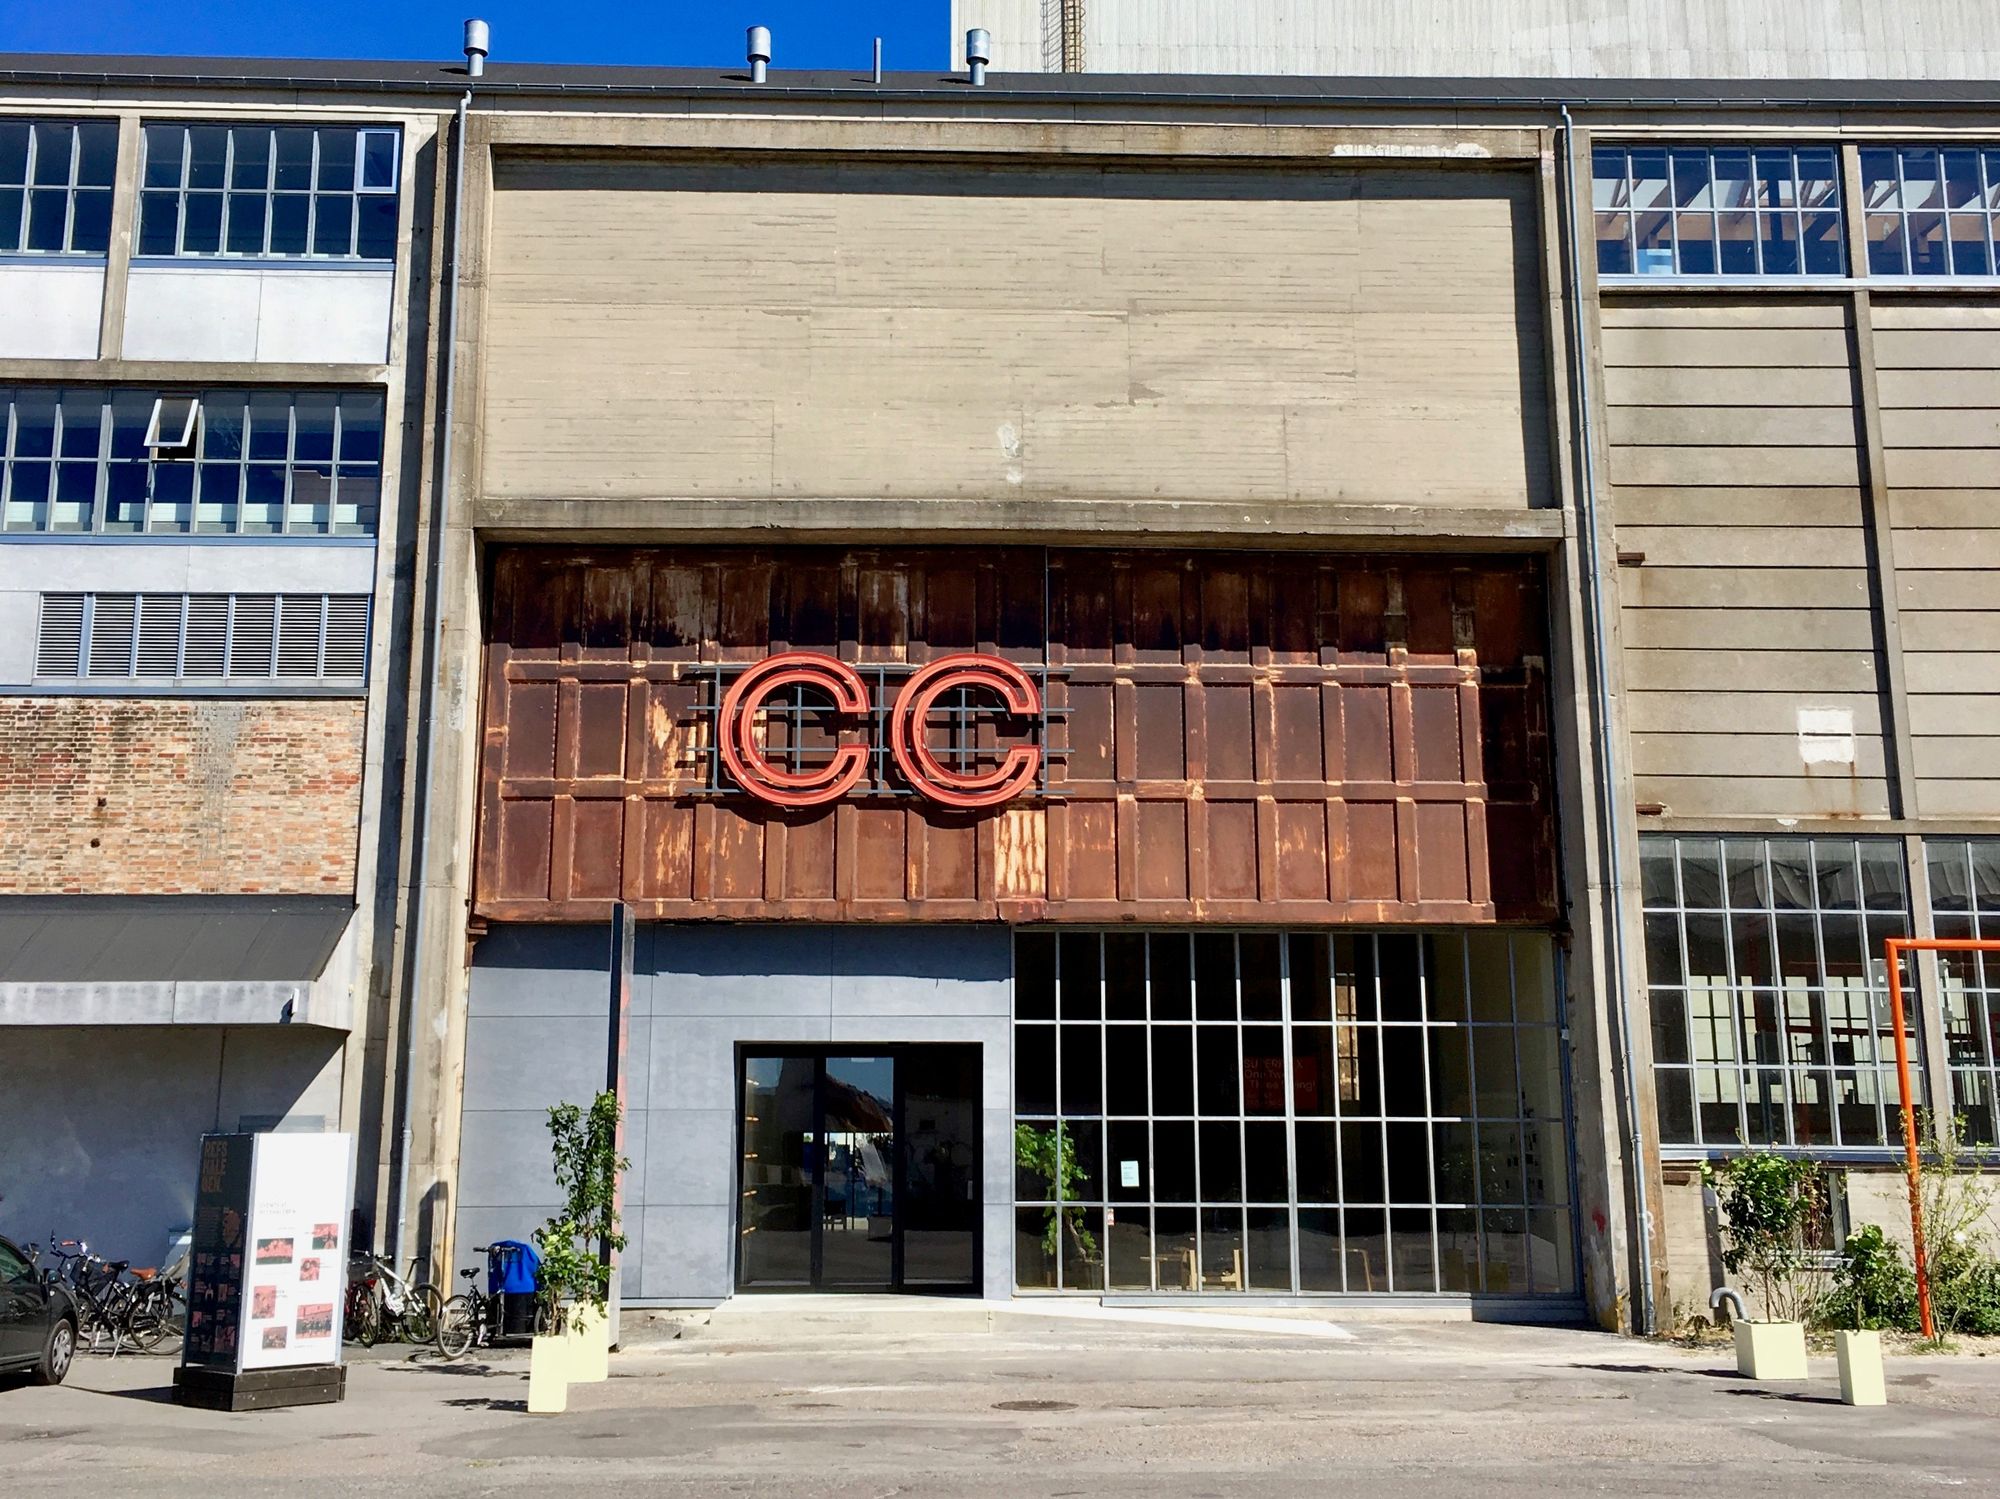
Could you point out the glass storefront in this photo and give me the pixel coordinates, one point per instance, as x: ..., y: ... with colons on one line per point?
x: 1290, y: 1112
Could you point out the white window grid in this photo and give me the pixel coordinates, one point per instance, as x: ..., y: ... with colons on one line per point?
x: 1965, y: 902
x: 1785, y: 1047
x: 55, y: 186
x: 1931, y: 210
x: 77, y: 461
x: 255, y: 212
x: 1712, y: 212
x: 1508, y: 1222
x: 203, y: 638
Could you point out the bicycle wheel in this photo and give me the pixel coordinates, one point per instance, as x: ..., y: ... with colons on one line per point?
x: 457, y: 1320
x: 364, y: 1317
x: 148, y: 1318
x: 420, y: 1314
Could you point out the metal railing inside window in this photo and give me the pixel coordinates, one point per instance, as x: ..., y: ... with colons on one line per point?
x: 1965, y: 902
x: 252, y: 463
x: 1769, y: 999
x: 1931, y: 211
x: 1700, y: 211
x: 55, y: 186
x: 325, y: 192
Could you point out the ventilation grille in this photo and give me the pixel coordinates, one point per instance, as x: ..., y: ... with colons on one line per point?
x: 197, y: 637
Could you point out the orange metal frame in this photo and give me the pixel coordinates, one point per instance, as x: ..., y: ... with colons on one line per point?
x: 1893, y: 949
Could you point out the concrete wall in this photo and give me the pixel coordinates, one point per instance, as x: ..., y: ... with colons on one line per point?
x: 177, y: 796
x: 100, y: 1128
x: 50, y: 310
x: 1499, y: 38
x: 257, y: 313
x: 1047, y: 332
x: 536, y: 1033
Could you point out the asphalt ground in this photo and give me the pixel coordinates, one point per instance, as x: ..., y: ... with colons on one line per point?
x: 801, y: 1403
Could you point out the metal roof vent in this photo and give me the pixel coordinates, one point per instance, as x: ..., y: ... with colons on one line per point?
x: 978, y: 53
x: 760, y: 53
x: 477, y: 38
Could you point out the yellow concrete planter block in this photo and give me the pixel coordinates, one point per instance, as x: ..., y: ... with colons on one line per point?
x: 548, y: 1375
x: 1860, y: 1355
x: 589, y: 1334
x: 1771, y: 1350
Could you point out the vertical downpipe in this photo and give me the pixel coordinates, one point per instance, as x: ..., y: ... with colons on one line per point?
x: 1603, y: 751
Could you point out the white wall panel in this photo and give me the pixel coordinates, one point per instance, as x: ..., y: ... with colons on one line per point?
x: 258, y: 314
x: 1505, y: 38
x: 50, y: 311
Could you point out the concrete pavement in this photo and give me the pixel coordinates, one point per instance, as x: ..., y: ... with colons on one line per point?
x: 966, y: 1399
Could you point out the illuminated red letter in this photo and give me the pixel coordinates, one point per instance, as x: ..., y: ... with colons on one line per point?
x: 919, y: 762
x: 745, y: 757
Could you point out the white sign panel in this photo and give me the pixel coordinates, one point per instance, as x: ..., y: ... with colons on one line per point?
x: 295, y: 1270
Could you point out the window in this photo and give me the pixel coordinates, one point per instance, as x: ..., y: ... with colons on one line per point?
x: 55, y: 187
x: 1289, y: 1112
x: 1965, y: 902
x: 1769, y: 997
x: 197, y: 637
x: 217, y: 462
x: 298, y: 191
x: 1702, y: 211
x: 1931, y: 211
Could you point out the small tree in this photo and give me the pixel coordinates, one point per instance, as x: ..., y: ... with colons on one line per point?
x: 1774, y: 1224
x: 1964, y: 1280
x: 576, y: 1246
x: 1049, y: 1154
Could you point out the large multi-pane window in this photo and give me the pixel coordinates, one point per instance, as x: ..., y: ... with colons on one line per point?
x: 1965, y: 902
x: 1290, y: 1112
x: 55, y: 186
x: 1930, y: 211
x: 323, y: 192
x: 1770, y: 1009
x: 1717, y: 211
x: 223, y: 462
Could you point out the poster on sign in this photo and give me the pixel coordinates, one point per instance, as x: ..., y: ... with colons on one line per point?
x: 298, y: 1199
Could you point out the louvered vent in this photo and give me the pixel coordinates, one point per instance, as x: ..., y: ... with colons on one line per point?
x: 160, y: 634
x: 301, y: 621
x: 346, y: 636
x: 252, y: 634
x: 112, y: 617
x: 204, y: 653
x: 204, y: 637
x: 59, y: 647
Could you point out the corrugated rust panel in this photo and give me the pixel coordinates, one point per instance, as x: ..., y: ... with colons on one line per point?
x: 1248, y: 737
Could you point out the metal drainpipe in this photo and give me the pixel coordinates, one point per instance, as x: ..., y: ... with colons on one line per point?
x: 399, y: 1203
x: 1602, y: 748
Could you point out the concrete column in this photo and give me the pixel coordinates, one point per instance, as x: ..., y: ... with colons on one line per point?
x: 118, y: 256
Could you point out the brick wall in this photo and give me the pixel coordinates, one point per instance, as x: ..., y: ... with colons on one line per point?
x: 163, y: 796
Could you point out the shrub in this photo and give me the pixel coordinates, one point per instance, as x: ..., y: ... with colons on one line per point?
x: 1050, y: 1155
x: 1873, y: 1288
x: 1774, y: 1218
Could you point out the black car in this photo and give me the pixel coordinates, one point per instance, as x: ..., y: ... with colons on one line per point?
x: 37, y: 1320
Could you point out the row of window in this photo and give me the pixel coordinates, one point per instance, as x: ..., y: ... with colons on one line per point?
x: 202, y: 637
x: 220, y: 462
x: 1769, y: 993
x: 1779, y: 210
x: 299, y: 192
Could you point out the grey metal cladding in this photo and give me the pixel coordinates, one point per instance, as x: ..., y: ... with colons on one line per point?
x: 168, y: 938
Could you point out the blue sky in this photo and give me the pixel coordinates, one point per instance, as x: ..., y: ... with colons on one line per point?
x: 684, y: 33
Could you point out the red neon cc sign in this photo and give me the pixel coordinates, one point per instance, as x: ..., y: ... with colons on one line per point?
x: 752, y: 769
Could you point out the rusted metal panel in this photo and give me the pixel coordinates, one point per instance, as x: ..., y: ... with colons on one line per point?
x: 1232, y: 737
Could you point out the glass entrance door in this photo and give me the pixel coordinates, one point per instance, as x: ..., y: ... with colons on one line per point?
x: 860, y: 1172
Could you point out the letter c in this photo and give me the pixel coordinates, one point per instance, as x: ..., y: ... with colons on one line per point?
x: 919, y: 763
x: 744, y: 756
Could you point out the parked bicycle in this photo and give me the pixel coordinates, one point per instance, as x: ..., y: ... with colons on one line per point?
x: 476, y: 1318
x: 137, y: 1307
x: 382, y: 1304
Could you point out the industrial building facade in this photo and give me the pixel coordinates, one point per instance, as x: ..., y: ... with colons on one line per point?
x: 1170, y: 686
